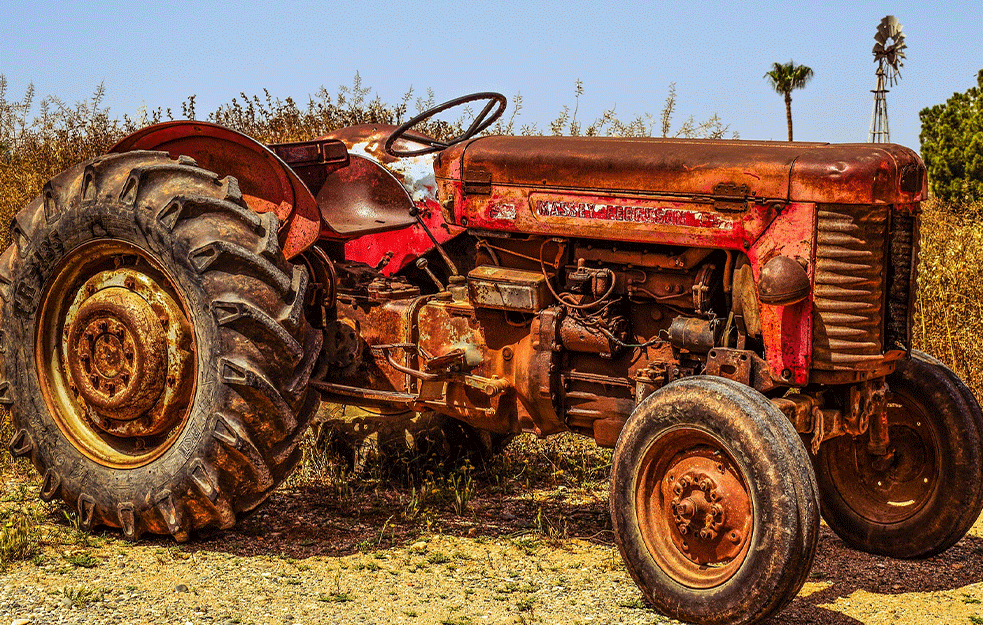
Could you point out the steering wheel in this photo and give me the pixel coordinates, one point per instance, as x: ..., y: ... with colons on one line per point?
x: 483, y: 120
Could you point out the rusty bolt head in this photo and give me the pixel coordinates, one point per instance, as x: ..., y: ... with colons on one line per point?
x: 735, y: 537
x: 507, y: 353
x: 90, y: 289
x: 129, y: 283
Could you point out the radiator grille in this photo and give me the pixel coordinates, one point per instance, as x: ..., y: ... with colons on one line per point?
x: 848, y: 319
x: 901, y: 281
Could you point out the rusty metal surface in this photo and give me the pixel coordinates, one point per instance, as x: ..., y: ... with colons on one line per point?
x: 416, y: 176
x: 267, y: 183
x: 660, y: 260
x: 507, y: 289
x: 889, y: 489
x: 849, y: 287
x: 122, y: 375
x: 695, y: 513
x: 364, y: 198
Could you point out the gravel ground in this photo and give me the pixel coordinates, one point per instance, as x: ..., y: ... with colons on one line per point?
x: 535, y: 547
x: 302, y: 559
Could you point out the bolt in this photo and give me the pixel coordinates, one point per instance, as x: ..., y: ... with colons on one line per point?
x: 507, y: 353
x: 720, y: 468
x: 90, y: 289
x: 129, y: 283
x: 735, y: 537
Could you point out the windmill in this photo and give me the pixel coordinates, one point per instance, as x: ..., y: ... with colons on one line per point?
x: 889, y: 56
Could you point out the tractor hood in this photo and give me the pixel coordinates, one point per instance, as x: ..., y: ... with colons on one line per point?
x: 662, y: 191
x: 858, y: 173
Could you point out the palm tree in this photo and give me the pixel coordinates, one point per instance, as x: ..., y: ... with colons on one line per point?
x: 784, y: 77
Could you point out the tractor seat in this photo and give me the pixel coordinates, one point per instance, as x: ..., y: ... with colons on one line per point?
x: 364, y: 198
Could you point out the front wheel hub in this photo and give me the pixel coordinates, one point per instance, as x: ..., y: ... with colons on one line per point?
x: 695, y: 510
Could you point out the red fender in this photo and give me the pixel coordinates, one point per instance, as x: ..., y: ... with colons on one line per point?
x: 267, y: 183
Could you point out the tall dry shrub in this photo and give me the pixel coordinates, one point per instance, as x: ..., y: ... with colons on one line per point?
x: 949, y: 300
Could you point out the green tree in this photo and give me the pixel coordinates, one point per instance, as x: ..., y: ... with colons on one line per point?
x: 952, y: 145
x: 785, y: 78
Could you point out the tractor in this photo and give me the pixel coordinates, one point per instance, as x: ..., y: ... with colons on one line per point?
x: 733, y: 318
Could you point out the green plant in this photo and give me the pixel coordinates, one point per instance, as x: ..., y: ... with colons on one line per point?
x: 635, y: 603
x: 81, y: 596
x: 81, y: 559
x: 18, y: 539
x: 462, y: 485
x: 525, y: 605
x: 952, y: 146
x: 336, y: 597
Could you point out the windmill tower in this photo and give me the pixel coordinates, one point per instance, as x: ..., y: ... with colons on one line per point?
x: 889, y: 56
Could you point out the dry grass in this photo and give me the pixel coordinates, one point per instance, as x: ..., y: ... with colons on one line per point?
x: 949, y: 305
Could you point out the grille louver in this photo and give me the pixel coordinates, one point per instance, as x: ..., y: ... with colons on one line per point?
x: 849, y: 287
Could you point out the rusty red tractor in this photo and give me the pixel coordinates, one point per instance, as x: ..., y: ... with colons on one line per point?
x: 732, y: 317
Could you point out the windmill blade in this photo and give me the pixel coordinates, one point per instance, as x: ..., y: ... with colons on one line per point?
x: 880, y: 36
x: 878, y: 48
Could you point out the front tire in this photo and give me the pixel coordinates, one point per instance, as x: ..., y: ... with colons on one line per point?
x: 713, y: 503
x: 930, y: 493
x: 155, y: 353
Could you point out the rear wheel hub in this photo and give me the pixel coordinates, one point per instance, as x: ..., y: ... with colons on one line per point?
x: 123, y: 377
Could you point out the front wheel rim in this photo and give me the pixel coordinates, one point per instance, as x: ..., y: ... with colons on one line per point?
x: 695, y: 511
x: 116, y: 354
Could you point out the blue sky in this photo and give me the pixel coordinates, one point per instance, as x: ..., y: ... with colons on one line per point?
x: 157, y: 53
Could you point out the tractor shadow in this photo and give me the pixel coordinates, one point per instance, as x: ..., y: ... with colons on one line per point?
x: 841, y: 571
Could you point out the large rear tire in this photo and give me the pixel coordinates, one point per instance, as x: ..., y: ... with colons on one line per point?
x: 930, y: 492
x: 155, y: 354
x: 713, y: 503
